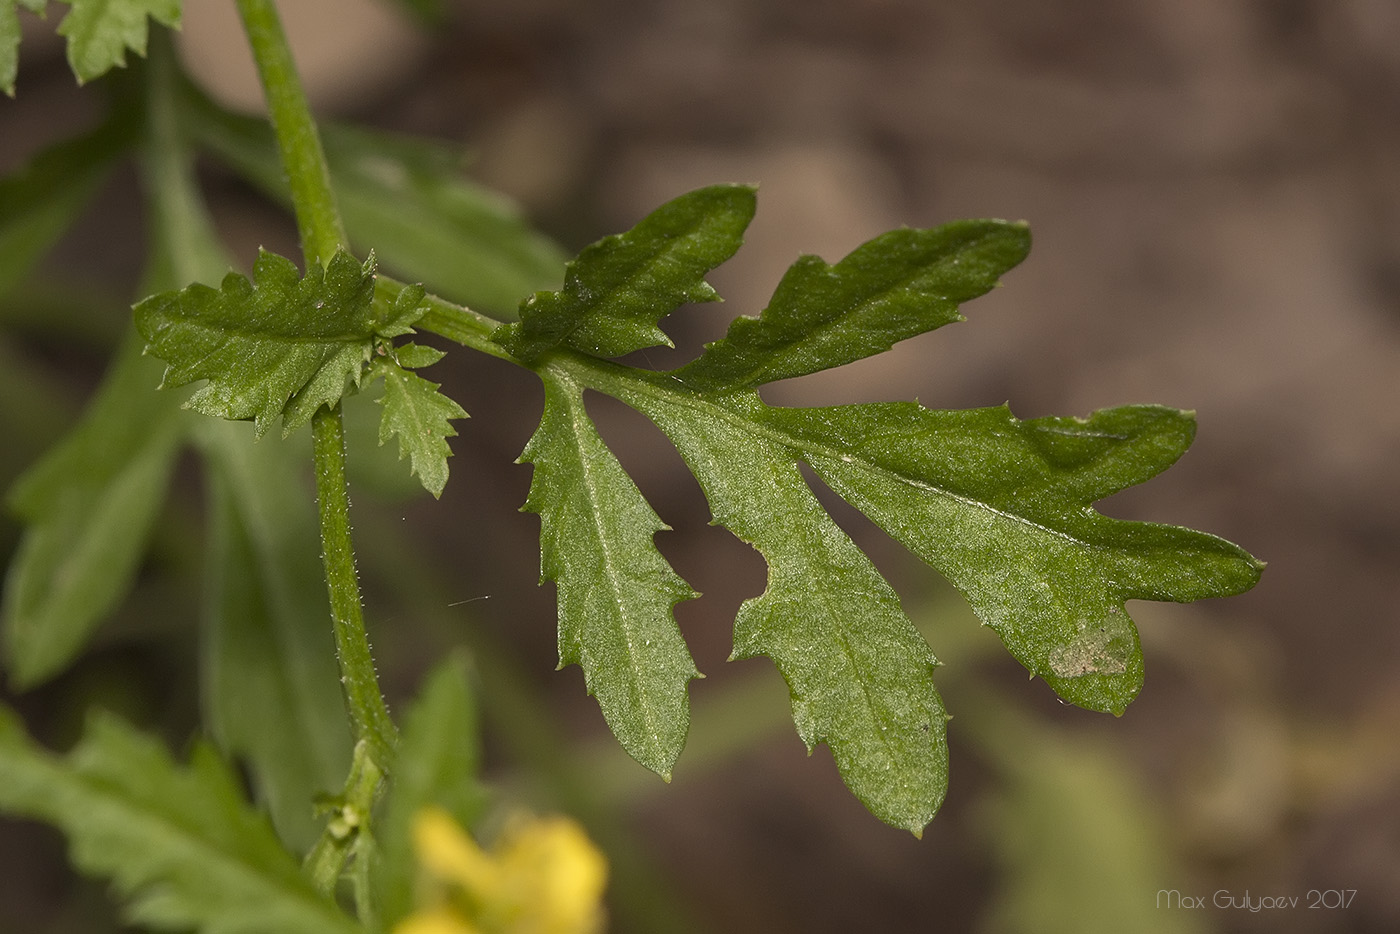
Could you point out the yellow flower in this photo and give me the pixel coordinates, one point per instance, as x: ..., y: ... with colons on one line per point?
x: 543, y: 876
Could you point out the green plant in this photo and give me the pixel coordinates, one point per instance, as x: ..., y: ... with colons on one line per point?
x: 998, y: 506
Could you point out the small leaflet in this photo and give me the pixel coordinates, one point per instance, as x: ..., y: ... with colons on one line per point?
x: 280, y: 346
x: 418, y: 413
x: 896, y: 286
x: 617, y: 289
x: 616, y: 591
x: 100, y: 32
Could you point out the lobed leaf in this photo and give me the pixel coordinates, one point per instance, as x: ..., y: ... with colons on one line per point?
x: 419, y: 414
x: 278, y: 346
x: 179, y: 842
x: 617, y: 289
x: 100, y: 32
x: 896, y: 286
x: 615, y: 590
x: 376, y: 470
x: 860, y: 674
x: 1001, y: 508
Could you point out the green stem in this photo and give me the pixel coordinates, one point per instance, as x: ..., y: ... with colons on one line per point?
x: 322, y: 234
x: 318, y: 218
x: 369, y: 715
x: 446, y: 319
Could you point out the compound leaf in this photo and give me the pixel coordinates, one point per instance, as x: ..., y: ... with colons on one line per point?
x: 900, y: 284
x: 178, y: 841
x: 617, y: 289
x: 278, y: 346
x: 99, y: 32
x: 615, y: 590
x: 1000, y: 506
x: 418, y: 413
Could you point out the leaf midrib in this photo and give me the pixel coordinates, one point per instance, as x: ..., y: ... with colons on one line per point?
x: 580, y: 425
x: 590, y: 307
x: 621, y: 383
x: 787, y: 348
x: 836, y: 629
